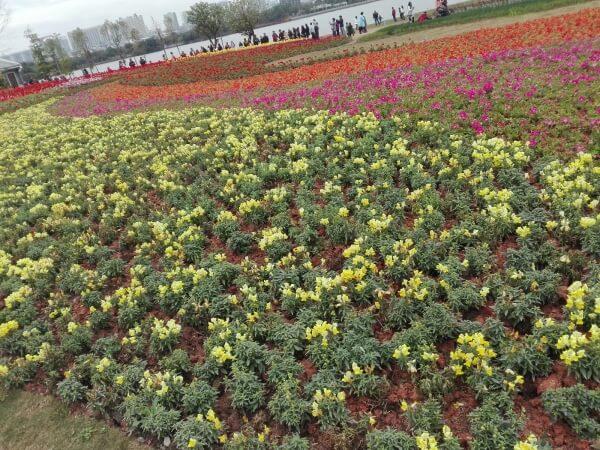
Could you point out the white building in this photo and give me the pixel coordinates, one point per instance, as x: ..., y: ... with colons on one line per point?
x: 94, y: 36
x: 23, y: 56
x: 136, y: 22
x: 64, y: 42
x: 11, y: 71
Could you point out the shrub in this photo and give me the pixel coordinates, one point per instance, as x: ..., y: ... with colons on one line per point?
x: 71, y: 391
x: 494, y: 425
x: 247, y: 392
x: 198, y: 396
x: 389, y: 439
x: 578, y: 406
x: 286, y: 405
x: 200, y: 431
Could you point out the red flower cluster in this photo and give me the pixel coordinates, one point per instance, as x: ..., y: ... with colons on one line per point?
x: 11, y: 93
x: 225, y: 65
x: 215, y: 75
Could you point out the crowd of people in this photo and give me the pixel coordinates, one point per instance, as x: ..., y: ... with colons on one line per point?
x: 339, y: 27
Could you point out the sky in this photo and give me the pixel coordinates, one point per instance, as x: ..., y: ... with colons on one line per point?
x: 60, y: 16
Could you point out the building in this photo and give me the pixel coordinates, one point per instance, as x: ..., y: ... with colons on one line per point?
x: 22, y: 57
x: 136, y: 22
x: 11, y: 71
x: 63, y: 41
x: 171, y: 22
x: 94, y: 36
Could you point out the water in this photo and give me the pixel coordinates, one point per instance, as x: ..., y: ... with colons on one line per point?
x: 383, y: 7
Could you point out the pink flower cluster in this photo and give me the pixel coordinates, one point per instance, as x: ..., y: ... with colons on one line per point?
x: 534, y: 94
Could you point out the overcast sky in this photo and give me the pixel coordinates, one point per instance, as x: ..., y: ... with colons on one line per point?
x: 59, y: 16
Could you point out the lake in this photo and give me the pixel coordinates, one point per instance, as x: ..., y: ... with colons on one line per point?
x: 383, y: 7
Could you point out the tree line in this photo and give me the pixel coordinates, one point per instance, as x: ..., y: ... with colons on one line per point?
x: 210, y: 21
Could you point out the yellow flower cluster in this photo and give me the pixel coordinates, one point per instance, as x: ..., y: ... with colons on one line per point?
x: 381, y: 224
x: 530, y: 443
x: 401, y: 352
x: 211, y: 417
x: 19, y: 296
x: 412, y: 287
x: 499, y: 153
x: 28, y: 269
x: 103, y: 365
x: 571, y: 185
x: 40, y: 356
x: 249, y: 206
x: 350, y: 375
x: 322, y: 395
x: 573, y: 345
x: 425, y: 441
x: 165, y: 331
x: 159, y: 382
x: 223, y: 353
x: 402, y: 249
x: 322, y: 330
x: 132, y: 336
x: 8, y: 327
x: 512, y: 380
x: 576, y: 303
x: 270, y: 236
x: 472, y: 353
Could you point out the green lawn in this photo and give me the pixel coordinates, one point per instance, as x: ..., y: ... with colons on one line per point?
x: 471, y: 15
x: 39, y: 422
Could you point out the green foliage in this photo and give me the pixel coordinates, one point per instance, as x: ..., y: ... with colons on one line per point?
x: 201, y: 433
x: 494, y: 425
x: 247, y: 392
x: 389, y: 439
x: 198, y: 396
x: 71, y: 391
x: 578, y: 406
x: 286, y: 405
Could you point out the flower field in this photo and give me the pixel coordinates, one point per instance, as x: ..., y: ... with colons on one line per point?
x: 391, y: 250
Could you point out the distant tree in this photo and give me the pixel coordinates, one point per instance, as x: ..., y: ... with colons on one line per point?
x: 38, y: 52
x: 135, y: 38
x: 82, y: 47
x: 116, y: 33
x: 160, y: 36
x: 209, y: 20
x: 57, y: 55
x: 170, y: 27
x: 244, y: 15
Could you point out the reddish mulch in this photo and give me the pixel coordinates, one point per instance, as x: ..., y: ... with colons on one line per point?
x: 539, y: 423
x: 509, y: 243
x: 457, y: 406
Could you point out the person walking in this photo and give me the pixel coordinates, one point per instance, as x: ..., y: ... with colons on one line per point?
x: 362, y: 24
x: 401, y: 9
x: 394, y: 14
x: 342, y: 27
x: 349, y: 29
x: 411, y: 11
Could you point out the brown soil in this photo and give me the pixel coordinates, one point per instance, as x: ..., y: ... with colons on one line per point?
x: 458, y: 405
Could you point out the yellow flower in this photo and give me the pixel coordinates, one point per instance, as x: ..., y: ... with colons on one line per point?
x: 587, y: 222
